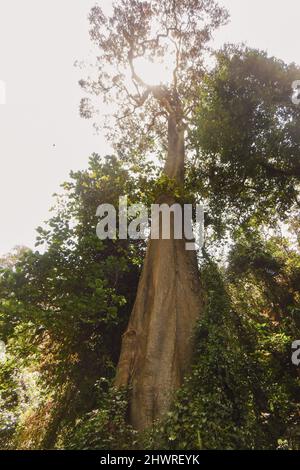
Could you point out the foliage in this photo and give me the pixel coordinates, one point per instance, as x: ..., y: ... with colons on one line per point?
x: 105, y: 427
x: 225, y: 402
x: 247, y: 138
x: 63, y: 310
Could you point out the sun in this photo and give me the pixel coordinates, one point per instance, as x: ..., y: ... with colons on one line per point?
x: 154, y: 73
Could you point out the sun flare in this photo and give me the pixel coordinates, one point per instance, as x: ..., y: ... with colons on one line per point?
x: 154, y: 73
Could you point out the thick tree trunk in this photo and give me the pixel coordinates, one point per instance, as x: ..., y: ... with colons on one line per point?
x: 157, y: 346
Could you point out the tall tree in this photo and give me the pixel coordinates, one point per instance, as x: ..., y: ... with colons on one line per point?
x: 157, y: 345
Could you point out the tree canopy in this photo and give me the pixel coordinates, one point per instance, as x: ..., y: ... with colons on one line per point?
x: 176, y: 33
x: 247, y: 137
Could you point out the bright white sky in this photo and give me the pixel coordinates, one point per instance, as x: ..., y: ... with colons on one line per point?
x: 41, y: 135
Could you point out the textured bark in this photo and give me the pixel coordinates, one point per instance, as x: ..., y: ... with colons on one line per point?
x: 157, y: 346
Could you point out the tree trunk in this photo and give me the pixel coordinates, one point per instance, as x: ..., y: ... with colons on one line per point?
x: 157, y: 346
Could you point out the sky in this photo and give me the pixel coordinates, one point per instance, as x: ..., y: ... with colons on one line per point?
x: 42, y: 136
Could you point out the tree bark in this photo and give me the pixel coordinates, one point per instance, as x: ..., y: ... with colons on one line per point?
x: 157, y: 346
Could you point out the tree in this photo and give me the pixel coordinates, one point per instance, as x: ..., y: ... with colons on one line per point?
x: 157, y: 345
x: 247, y: 136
